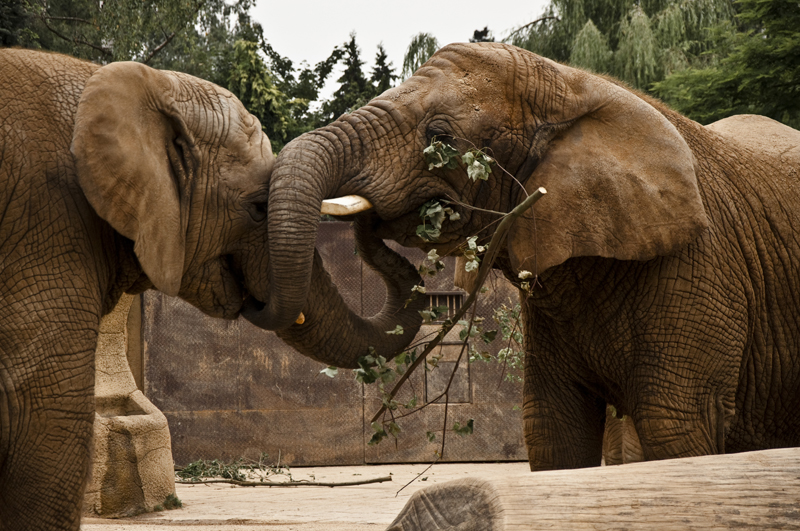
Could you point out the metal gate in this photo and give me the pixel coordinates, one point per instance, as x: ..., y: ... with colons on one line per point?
x: 229, y: 389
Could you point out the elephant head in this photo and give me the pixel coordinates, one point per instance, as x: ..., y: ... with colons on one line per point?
x: 178, y: 166
x: 621, y: 179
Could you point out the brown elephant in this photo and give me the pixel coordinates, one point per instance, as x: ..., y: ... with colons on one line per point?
x: 119, y: 179
x: 665, y: 254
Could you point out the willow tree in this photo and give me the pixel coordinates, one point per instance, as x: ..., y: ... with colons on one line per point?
x: 640, y: 42
x: 421, y: 48
x: 756, y: 71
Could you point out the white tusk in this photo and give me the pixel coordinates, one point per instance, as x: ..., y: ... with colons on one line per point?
x: 345, y: 206
x: 301, y: 319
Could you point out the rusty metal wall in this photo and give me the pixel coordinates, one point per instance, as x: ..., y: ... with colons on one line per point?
x: 229, y: 389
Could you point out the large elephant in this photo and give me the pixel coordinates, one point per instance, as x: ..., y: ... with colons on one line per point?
x: 118, y: 179
x: 666, y: 254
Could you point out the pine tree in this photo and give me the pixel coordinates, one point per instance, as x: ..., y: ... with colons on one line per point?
x: 354, y: 88
x: 382, y: 73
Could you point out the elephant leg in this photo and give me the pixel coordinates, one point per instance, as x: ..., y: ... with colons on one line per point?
x: 563, y: 422
x: 667, y: 431
x: 46, y: 416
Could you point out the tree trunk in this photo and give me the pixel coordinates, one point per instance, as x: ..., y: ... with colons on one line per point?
x: 753, y: 490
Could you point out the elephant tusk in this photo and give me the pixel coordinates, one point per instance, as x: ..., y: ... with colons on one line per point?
x: 345, y: 205
x: 300, y: 319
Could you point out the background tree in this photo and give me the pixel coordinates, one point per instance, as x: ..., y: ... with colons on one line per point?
x: 484, y: 35
x: 758, y: 72
x: 383, y: 75
x: 640, y: 42
x: 422, y: 46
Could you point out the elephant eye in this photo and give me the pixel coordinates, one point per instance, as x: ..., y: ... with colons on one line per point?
x: 257, y: 210
x: 435, y: 130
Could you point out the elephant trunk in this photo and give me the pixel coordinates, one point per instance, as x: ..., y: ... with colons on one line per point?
x: 333, y: 334
x: 312, y: 168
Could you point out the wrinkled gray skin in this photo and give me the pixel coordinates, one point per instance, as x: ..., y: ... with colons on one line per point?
x: 667, y: 258
x: 119, y: 179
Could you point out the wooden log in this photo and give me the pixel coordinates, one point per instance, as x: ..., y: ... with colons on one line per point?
x: 753, y: 490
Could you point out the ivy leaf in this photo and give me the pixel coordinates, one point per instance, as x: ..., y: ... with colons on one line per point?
x: 440, y: 155
x: 379, y: 434
x: 398, y: 331
x: 471, y: 265
x: 489, y: 336
x: 465, y: 429
x: 430, y: 435
x: 330, y: 372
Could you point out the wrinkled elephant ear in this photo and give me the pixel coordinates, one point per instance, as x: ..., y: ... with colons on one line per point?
x: 134, y: 154
x: 620, y: 179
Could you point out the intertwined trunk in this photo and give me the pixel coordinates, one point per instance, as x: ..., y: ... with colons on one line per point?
x: 310, y: 169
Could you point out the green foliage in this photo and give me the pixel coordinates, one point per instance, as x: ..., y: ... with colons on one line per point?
x: 590, y: 49
x: 421, y: 48
x: 251, y: 81
x: 170, y: 502
x: 398, y: 331
x: 636, y: 57
x: 13, y: 21
x: 382, y: 73
x: 638, y: 42
x: 239, y: 469
x: 484, y: 35
x: 759, y: 74
x: 330, y: 372
x: 464, y: 430
x: 355, y: 90
x: 433, y: 214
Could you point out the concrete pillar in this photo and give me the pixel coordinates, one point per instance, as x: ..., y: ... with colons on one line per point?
x: 132, y: 468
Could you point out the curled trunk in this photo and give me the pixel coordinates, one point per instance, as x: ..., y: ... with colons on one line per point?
x: 312, y: 168
x: 332, y: 333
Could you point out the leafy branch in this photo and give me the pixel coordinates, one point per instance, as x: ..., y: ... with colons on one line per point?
x: 491, y: 255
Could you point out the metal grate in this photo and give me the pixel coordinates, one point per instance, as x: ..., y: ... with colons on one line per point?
x: 452, y: 299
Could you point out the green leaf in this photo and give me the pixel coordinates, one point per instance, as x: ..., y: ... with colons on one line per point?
x: 465, y: 429
x: 489, y: 336
x: 398, y: 331
x: 430, y: 435
x: 330, y: 372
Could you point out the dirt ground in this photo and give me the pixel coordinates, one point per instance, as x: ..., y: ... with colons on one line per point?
x: 353, y: 508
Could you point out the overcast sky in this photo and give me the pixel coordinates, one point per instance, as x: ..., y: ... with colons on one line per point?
x: 307, y: 30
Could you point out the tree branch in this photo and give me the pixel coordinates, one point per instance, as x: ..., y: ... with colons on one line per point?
x: 104, y: 51
x: 529, y: 24
x: 483, y: 272
x: 72, y: 19
x: 159, y: 48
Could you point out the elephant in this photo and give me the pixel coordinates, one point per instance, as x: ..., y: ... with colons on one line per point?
x: 659, y: 274
x: 123, y: 178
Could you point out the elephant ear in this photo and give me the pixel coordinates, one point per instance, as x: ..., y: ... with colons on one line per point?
x: 134, y: 154
x: 620, y: 179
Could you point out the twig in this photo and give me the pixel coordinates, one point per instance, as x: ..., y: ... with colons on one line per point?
x: 300, y: 483
x: 418, y: 475
x: 483, y: 272
x: 529, y: 24
x: 159, y: 48
x: 70, y: 19
x: 104, y: 51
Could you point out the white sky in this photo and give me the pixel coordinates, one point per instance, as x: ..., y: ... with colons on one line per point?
x: 307, y: 30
